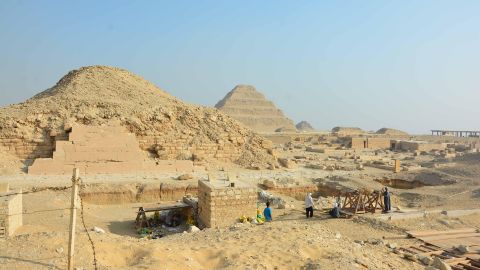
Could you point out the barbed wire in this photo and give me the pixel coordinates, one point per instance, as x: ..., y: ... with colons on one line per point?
x: 38, y: 211
x: 35, y: 190
x: 85, y: 226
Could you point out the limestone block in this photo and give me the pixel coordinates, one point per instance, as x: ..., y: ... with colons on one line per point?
x: 4, y: 187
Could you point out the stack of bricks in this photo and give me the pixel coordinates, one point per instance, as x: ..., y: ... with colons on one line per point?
x: 102, y: 149
x: 10, y: 211
x: 220, y: 205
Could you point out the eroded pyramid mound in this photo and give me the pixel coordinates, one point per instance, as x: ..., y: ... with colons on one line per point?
x: 163, y: 125
x: 304, y: 126
x: 250, y: 107
x: 346, y: 131
x: 391, y: 131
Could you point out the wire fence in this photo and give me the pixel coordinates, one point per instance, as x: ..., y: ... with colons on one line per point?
x: 82, y: 216
x: 34, y: 190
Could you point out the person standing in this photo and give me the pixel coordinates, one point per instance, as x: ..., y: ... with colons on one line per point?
x: 386, y: 200
x: 309, y: 205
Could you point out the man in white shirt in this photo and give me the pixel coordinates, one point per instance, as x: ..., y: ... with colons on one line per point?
x: 309, y: 205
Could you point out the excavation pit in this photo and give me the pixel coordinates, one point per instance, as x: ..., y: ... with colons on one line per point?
x: 400, y: 183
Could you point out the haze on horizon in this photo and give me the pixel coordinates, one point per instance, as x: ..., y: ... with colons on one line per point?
x: 410, y: 65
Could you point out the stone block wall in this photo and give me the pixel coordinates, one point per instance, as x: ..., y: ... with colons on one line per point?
x: 371, y: 143
x: 418, y: 146
x: 378, y: 143
x: 228, y: 148
x: 11, y: 210
x: 220, y: 206
x: 358, y: 143
x: 28, y: 148
x: 102, y: 149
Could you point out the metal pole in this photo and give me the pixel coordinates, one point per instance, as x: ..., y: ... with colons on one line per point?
x: 73, y: 219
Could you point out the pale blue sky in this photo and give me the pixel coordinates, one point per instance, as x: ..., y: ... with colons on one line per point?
x: 412, y: 65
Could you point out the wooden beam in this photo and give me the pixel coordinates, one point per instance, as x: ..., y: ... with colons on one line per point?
x: 435, y: 232
x: 73, y: 218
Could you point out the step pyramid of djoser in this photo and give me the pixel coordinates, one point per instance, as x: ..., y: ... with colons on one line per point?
x: 245, y: 104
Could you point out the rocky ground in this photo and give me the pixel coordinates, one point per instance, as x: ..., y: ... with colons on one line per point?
x: 290, y: 242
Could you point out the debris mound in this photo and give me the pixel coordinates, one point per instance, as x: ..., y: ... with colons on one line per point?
x: 250, y: 107
x: 347, y: 130
x: 165, y: 126
x: 391, y: 131
x: 304, y: 126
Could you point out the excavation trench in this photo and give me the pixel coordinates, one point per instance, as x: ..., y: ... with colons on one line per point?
x: 148, y: 193
x: 132, y: 193
x: 400, y: 183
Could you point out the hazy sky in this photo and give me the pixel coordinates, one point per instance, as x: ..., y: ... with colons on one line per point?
x: 412, y: 65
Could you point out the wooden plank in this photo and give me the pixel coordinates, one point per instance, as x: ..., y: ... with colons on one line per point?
x: 435, y: 232
x: 449, y: 236
x: 434, y: 252
x: 432, y: 248
x: 474, y: 262
x: 456, y: 260
x: 167, y: 207
x: 449, y: 243
x: 469, y: 267
x: 419, y: 249
x: 407, y: 250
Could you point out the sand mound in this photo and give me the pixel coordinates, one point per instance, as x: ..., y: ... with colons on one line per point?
x: 304, y: 126
x: 391, y: 131
x: 164, y: 125
x: 250, y: 107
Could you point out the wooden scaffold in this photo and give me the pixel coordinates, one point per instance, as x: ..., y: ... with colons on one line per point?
x: 363, y: 201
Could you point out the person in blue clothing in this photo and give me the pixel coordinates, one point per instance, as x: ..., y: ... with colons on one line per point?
x: 267, y: 212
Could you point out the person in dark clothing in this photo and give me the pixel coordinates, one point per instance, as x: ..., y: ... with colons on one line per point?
x: 386, y: 200
x: 335, y: 212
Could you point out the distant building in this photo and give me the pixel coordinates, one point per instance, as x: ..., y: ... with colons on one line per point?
x: 416, y: 145
x: 369, y: 143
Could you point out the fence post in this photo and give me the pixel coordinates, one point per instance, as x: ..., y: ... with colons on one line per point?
x: 73, y: 218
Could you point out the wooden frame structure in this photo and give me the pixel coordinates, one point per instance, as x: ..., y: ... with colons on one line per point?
x: 362, y: 201
x: 142, y: 221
